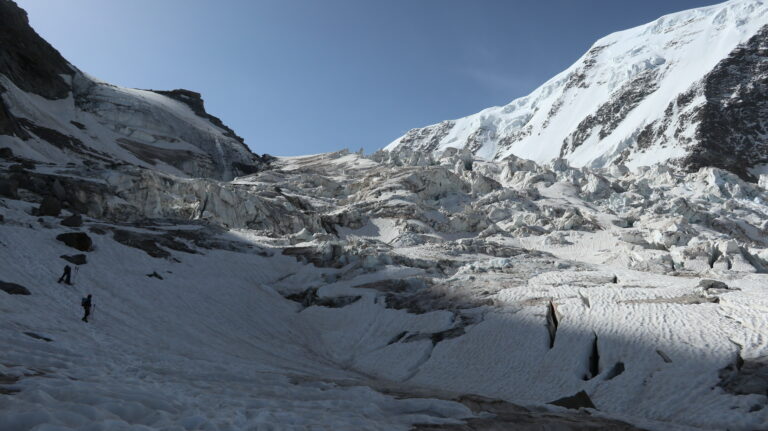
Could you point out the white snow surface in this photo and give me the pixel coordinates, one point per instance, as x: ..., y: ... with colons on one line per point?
x: 435, y: 285
x: 124, y: 125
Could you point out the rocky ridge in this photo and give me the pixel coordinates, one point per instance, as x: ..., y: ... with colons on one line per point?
x: 53, y: 112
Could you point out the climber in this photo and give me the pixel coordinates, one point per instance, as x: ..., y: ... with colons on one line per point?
x: 67, y: 276
x: 86, y: 303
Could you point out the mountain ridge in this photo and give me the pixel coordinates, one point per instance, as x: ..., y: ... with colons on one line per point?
x: 592, y: 113
x: 52, y: 112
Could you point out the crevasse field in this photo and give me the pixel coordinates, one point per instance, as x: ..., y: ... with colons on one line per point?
x: 403, y: 320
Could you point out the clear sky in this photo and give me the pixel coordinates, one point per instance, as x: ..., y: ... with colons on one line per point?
x: 299, y: 77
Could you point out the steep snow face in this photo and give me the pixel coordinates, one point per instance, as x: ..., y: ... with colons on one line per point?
x: 52, y: 112
x: 595, y: 113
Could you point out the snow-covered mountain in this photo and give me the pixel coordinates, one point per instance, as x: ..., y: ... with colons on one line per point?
x: 50, y: 111
x: 691, y: 87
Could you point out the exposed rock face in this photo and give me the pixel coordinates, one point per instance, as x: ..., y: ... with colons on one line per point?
x: 732, y: 131
x: 689, y: 87
x: 29, y: 61
x: 80, y: 119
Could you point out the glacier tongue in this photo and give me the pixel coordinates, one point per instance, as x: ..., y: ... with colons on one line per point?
x: 455, y: 280
x: 594, y: 113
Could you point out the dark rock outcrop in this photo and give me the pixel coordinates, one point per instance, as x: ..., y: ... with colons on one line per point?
x: 50, y: 206
x: 499, y: 415
x: 745, y: 376
x: 9, y: 188
x: 13, y: 288
x: 34, y: 67
x: 612, y: 113
x: 731, y: 131
x: 153, y: 245
x: 27, y: 60
x: 577, y: 401
x: 77, y: 240
x: 75, y: 220
x: 309, y: 297
x: 733, y: 127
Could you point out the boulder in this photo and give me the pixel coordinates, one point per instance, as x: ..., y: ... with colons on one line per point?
x: 50, y: 206
x: 77, y: 259
x: 713, y: 284
x: 578, y: 401
x: 78, y: 240
x: 13, y: 288
x: 74, y: 220
x: 9, y: 188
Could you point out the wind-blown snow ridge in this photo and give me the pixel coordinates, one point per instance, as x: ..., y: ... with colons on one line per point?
x: 593, y: 113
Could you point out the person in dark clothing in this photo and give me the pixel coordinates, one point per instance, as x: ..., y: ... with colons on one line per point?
x: 86, y: 303
x: 67, y: 276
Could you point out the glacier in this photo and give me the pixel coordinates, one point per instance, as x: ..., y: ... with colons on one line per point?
x: 467, y: 277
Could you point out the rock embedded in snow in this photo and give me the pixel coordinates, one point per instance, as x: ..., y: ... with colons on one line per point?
x: 577, y: 401
x: 50, y: 206
x: 75, y: 220
x: 9, y: 188
x: 77, y: 240
x: 13, y: 288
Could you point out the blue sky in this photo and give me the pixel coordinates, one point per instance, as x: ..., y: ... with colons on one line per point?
x: 299, y: 77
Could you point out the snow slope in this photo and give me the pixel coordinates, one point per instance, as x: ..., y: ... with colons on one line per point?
x: 52, y: 112
x: 369, y: 295
x: 420, y: 288
x: 594, y: 112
